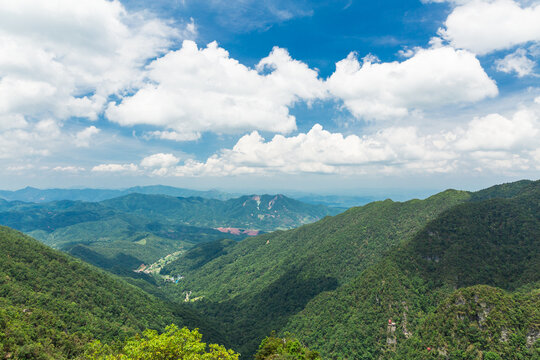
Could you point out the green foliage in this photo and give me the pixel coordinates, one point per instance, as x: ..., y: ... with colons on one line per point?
x: 172, y: 344
x: 52, y: 304
x: 483, y: 320
x: 284, y: 348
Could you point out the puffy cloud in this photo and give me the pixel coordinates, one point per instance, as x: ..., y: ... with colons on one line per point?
x: 83, y: 137
x: 192, y: 90
x: 63, y: 58
x: 517, y: 62
x: 320, y: 151
x: 430, y: 78
x: 483, y: 26
x: 496, y: 132
x: 160, y: 161
x: 35, y: 139
x: 490, y: 143
x: 115, y: 168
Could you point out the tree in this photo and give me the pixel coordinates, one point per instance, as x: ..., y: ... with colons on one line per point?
x: 173, y: 344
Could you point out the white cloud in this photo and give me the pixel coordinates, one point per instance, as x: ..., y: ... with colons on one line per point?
x: 172, y: 135
x: 194, y: 90
x: 17, y: 168
x: 12, y: 121
x: 115, y: 168
x: 490, y: 143
x: 496, y: 132
x: 159, y: 161
x: 320, y: 151
x: 517, y: 62
x: 63, y: 58
x: 432, y: 77
x: 494, y: 143
x: 69, y: 169
x: 483, y: 26
x: 83, y: 137
x: 34, y: 139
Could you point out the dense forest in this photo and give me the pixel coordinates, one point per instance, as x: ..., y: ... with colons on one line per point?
x: 454, y: 276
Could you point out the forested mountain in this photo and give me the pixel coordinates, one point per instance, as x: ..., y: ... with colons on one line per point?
x: 122, y: 233
x: 264, y: 212
x: 338, y: 281
x: 271, y: 277
x: 454, y: 276
x: 52, y: 305
x: 493, y: 242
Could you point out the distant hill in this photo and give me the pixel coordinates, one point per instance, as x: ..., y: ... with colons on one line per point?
x: 121, y: 234
x: 30, y: 194
x: 336, y: 282
x: 261, y: 212
x: 52, y: 305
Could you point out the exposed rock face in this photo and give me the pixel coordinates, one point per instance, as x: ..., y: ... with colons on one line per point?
x: 532, y: 336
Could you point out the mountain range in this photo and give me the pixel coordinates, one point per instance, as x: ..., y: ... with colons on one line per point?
x: 31, y: 194
x: 454, y: 276
x: 125, y: 232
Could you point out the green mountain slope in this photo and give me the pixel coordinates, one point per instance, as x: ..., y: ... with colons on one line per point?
x: 51, y: 305
x: 258, y: 284
x: 493, y: 242
x: 479, y: 322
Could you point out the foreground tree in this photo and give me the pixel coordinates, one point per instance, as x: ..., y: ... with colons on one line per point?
x: 173, y: 344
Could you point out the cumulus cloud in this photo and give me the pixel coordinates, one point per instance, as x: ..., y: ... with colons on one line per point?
x: 115, y: 168
x: 489, y: 143
x: 499, y: 133
x: 63, y: 58
x: 83, y: 137
x: 192, y: 90
x: 30, y: 139
x: 320, y: 151
x: 483, y: 26
x: 430, y: 78
x: 159, y: 161
x: 516, y: 62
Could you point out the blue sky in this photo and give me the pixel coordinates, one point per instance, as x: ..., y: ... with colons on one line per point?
x: 324, y: 96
